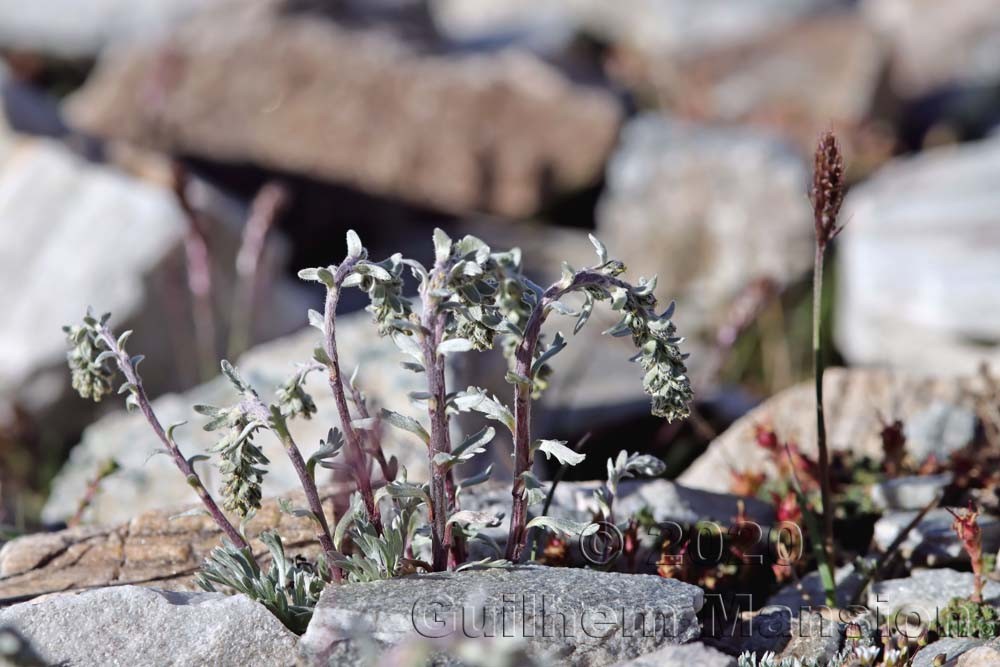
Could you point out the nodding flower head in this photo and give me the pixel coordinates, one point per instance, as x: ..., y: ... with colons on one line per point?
x: 89, y: 359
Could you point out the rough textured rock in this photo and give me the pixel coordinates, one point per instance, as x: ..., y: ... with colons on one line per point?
x: 65, y: 223
x: 951, y: 647
x: 934, y: 45
x: 67, y: 29
x: 925, y: 592
x: 707, y: 209
x: 761, y: 81
x: 685, y: 655
x: 567, y: 615
x: 130, y: 625
x: 148, y: 483
x: 932, y: 540
x: 156, y: 548
x: 489, y: 132
x: 854, y: 399
x: 918, y: 263
x: 664, y: 27
x: 981, y: 656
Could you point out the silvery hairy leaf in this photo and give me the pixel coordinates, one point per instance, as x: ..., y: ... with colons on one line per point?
x: 454, y: 345
x: 557, y: 449
x: 354, y: 247
x: 477, y: 400
x: 562, y: 526
x: 602, y: 250
x: 407, y: 424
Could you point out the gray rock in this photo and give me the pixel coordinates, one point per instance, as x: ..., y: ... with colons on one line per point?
x: 854, y: 398
x: 808, y: 591
x: 147, y: 482
x: 936, y: 46
x: 129, y: 625
x: 567, y: 616
x: 950, y: 647
x: 941, y: 429
x: 501, y: 133
x: 63, y: 219
x: 925, y: 592
x: 78, y: 234
x: 661, y: 27
x: 685, y: 655
x: 667, y: 500
x: 760, y: 80
x: 913, y: 492
x: 981, y: 656
x: 707, y: 209
x: 932, y: 541
x: 67, y: 29
x: 918, y: 263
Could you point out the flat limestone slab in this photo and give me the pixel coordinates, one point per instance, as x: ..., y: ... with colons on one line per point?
x: 157, y: 548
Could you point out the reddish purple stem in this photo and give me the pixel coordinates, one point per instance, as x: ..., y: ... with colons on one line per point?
x: 355, y: 452
x: 128, y: 370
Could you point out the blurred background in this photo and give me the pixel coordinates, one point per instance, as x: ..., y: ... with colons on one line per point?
x: 176, y: 162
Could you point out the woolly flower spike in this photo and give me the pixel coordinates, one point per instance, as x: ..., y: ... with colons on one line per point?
x: 292, y: 398
x: 467, y: 279
x: 827, y: 188
x: 88, y: 364
x: 383, y: 283
x: 666, y: 379
x: 242, y: 461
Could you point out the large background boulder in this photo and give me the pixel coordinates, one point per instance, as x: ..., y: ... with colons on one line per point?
x: 936, y: 45
x: 709, y: 210
x: 500, y: 132
x: 76, y: 234
x: 919, y: 263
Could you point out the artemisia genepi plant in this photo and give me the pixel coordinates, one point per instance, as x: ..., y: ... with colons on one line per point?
x: 469, y: 300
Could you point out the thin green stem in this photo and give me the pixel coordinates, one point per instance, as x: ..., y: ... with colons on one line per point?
x: 824, y: 454
x: 823, y: 564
